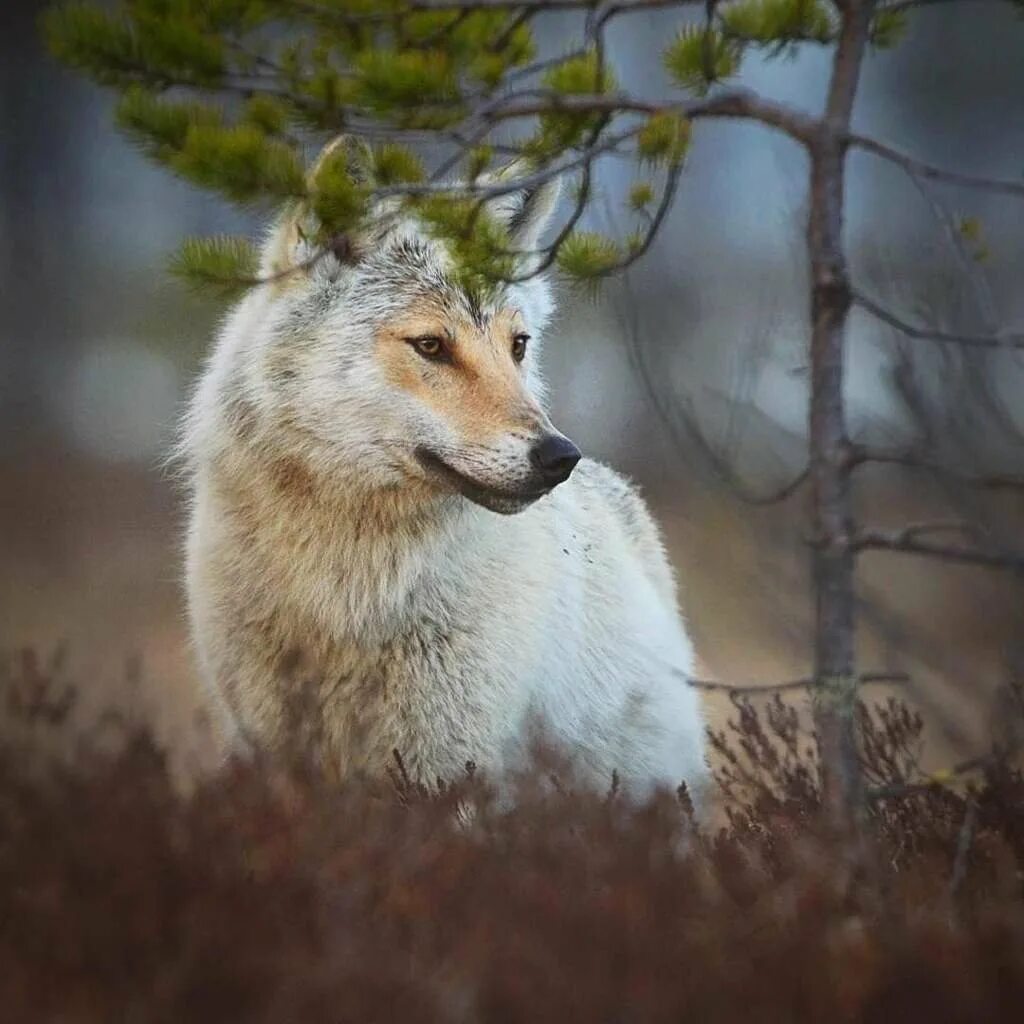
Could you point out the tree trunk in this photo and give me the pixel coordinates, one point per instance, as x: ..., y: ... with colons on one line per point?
x: 835, y: 693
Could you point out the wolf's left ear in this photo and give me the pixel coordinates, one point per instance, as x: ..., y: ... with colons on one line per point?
x: 291, y: 239
x: 526, y: 212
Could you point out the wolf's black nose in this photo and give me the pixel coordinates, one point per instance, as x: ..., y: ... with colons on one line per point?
x: 555, y: 458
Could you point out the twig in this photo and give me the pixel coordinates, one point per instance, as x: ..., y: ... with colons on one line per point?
x: 942, y: 777
x: 969, y: 267
x: 731, y: 103
x: 994, y: 341
x: 537, y: 66
x: 518, y: 20
x: 534, y: 6
x: 496, y: 189
x: 914, y: 530
x: 861, y: 455
x: 924, y: 170
x: 906, y: 542
x: 913, y: 5
x: 752, y: 689
x: 778, y: 495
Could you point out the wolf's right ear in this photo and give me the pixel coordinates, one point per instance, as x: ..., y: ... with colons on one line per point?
x: 291, y: 241
x: 526, y: 211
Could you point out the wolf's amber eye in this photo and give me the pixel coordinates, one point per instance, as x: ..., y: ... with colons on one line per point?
x: 519, y: 347
x: 429, y: 346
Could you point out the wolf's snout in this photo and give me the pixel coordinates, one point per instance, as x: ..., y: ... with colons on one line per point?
x: 554, y: 458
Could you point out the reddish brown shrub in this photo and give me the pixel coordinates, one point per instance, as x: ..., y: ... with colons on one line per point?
x: 267, y: 894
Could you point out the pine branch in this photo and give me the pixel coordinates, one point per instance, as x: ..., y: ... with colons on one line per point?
x: 738, y: 103
x: 635, y: 252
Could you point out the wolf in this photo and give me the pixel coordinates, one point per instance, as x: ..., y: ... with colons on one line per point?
x: 382, y: 511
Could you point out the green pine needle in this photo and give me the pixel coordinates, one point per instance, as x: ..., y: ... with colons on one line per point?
x: 641, y: 195
x: 339, y: 196
x: 888, y: 28
x: 698, y: 58
x: 241, y: 162
x: 586, y: 257
x: 267, y: 114
x: 160, y: 127
x: 213, y: 89
x: 664, y: 138
x: 223, y: 264
x: 774, y: 22
x: 392, y: 164
x: 93, y: 41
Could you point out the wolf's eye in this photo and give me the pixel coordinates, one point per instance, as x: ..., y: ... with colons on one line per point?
x: 429, y: 346
x: 519, y: 347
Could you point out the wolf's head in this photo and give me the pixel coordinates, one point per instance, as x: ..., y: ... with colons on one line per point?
x: 380, y: 367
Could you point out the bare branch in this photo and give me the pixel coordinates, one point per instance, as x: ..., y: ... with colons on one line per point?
x: 583, y: 6
x: 942, y: 777
x: 930, y: 172
x: 504, y: 187
x: 997, y: 482
x: 781, y: 493
x: 969, y: 266
x: 742, y: 104
x: 861, y: 455
x: 533, y: 6
x: 993, y: 341
x: 752, y: 689
x: 907, y: 541
x: 912, y: 531
x: 913, y: 5
x: 634, y: 253
x: 976, y: 372
x: 515, y: 22
x: 461, y: 14
x: 617, y: 7
x: 537, y: 66
x: 741, y: 490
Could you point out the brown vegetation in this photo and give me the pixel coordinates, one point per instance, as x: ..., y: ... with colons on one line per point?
x: 265, y: 893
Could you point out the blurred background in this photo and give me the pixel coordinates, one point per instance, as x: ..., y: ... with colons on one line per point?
x: 687, y: 374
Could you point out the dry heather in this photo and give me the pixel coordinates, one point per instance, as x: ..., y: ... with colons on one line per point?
x: 266, y: 893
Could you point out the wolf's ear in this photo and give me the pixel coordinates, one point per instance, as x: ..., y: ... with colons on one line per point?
x: 526, y: 212
x: 291, y: 240
x: 283, y: 246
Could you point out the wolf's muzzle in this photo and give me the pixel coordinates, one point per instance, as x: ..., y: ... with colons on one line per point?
x: 554, y: 459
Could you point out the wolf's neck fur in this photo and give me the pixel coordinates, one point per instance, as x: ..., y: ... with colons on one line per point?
x: 361, y: 561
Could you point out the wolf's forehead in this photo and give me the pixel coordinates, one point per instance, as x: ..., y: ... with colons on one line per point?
x: 410, y: 270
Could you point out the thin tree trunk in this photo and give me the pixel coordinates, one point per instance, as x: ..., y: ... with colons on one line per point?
x: 832, y: 517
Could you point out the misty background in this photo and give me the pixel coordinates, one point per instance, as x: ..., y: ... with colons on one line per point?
x: 687, y: 370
